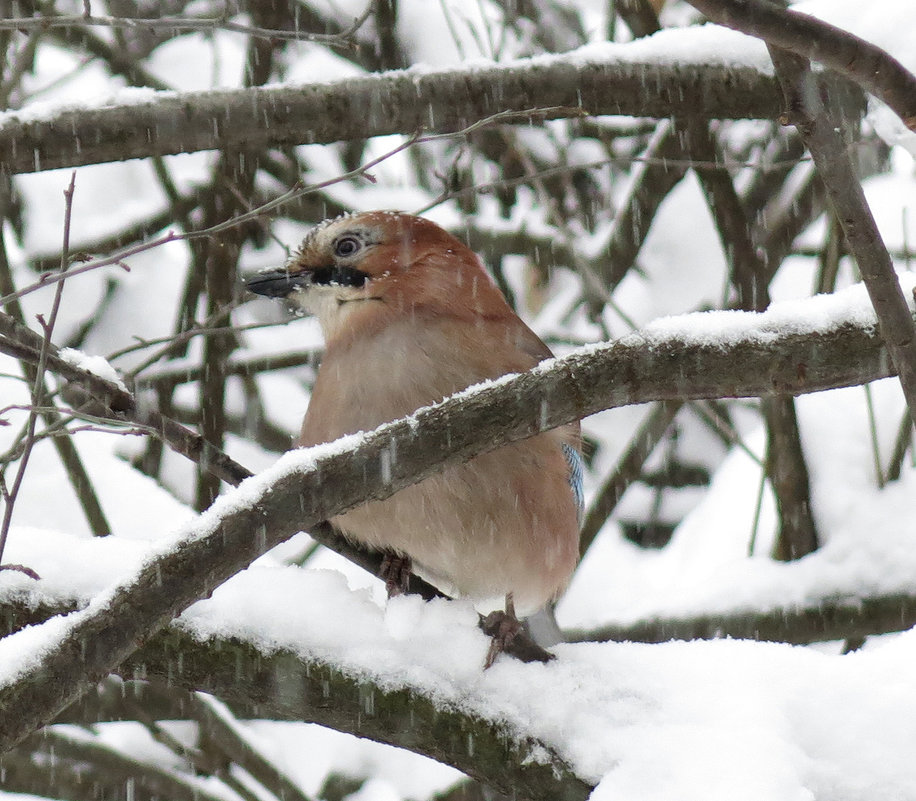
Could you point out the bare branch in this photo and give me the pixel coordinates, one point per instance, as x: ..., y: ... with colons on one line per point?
x: 626, y: 470
x: 172, y: 373
x: 218, y: 724
x: 215, y: 260
x: 110, y: 768
x: 639, y: 16
x: 188, y: 23
x: 653, y: 179
x: 38, y: 387
x: 788, y: 474
x: 66, y: 450
x: 115, y: 402
x: 118, y: 258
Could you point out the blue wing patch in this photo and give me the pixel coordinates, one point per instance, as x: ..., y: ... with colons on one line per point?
x: 576, y: 469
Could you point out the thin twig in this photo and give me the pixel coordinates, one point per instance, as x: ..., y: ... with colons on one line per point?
x: 343, y: 39
x: 902, y: 444
x: 665, y: 164
x: 172, y: 374
x: 64, y: 446
x: 62, y: 426
x: 177, y: 209
x: 627, y: 470
x: 873, y: 436
x: 38, y: 386
x: 291, y: 194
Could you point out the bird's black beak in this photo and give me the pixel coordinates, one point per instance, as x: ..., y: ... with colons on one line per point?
x: 276, y: 283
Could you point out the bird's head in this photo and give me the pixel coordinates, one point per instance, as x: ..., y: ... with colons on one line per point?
x: 369, y: 268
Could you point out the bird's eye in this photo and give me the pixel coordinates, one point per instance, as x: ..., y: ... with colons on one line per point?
x: 346, y: 246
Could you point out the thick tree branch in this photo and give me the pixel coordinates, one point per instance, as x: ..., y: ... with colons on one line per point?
x: 283, y: 686
x: 789, y: 34
x: 107, y: 769
x: 826, y: 620
x: 788, y: 474
x: 375, y: 105
x: 330, y: 479
x: 257, y: 685
x: 868, y: 65
x: 834, y: 165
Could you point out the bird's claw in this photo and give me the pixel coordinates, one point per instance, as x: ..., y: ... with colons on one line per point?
x: 395, y: 572
x: 503, y: 628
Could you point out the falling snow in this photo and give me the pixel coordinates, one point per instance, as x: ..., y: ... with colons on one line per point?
x: 681, y: 721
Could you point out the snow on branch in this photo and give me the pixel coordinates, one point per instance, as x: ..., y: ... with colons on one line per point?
x: 871, y: 67
x: 822, y: 620
x: 251, y: 682
x: 605, y: 79
x: 805, y: 346
x: 255, y: 682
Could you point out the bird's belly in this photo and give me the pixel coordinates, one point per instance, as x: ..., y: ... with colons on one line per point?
x: 482, y: 529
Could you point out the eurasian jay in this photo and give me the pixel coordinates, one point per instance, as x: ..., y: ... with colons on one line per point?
x: 410, y: 316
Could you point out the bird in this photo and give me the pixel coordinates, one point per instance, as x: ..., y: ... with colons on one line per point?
x: 409, y: 316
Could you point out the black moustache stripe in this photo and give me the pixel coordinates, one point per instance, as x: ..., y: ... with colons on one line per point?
x: 341, y: 276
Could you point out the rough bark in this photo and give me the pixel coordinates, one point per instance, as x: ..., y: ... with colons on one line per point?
x: 375, y: 105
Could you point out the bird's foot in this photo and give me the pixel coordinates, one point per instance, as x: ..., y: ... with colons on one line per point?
x: 508, y: 634
x: 395, y: 572
x: 503, y: 628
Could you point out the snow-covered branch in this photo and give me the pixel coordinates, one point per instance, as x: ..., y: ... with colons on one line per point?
x: 251, y: 682
x: 872, y: 68
x: 607, y: 79
x: 255, y: 683
x: 821, y: 621
x: 696, y: 356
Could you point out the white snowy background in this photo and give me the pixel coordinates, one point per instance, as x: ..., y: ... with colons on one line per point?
x: 683, y: 720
